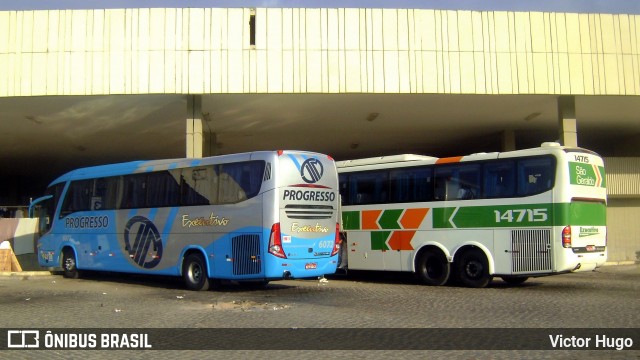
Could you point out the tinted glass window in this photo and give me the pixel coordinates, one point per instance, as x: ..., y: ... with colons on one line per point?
x: 78, y: 197
x: 410, y: 185
x: 199, y: 186
x: 457, y: 182
x: 535, y: 175
x: 368, y: 188
x: 164, y: 189
x: 499, y: 179
x: 105, y: 193
x: 239, y: 181
x: 134, y: 192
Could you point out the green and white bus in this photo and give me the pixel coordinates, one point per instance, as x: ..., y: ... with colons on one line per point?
x: 513, y: 215
x: 251, y: 217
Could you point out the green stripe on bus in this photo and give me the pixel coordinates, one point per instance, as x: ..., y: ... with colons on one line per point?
x: 525, y: 215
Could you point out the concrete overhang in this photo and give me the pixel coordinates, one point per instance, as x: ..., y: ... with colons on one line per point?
x: 47, y: 135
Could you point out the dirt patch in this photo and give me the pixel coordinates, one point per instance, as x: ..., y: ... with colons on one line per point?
x: 246, y: 305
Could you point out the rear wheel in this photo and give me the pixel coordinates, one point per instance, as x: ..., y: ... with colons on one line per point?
x: 514, y: 280
x: 473, y: 268
x: 69, y: 264
x: 432, y: 268
x: 194, y: 272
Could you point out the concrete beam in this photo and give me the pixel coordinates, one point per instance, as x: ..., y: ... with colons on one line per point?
x: 201, y: 141
x: 568, y: 130
x: 508, y: 140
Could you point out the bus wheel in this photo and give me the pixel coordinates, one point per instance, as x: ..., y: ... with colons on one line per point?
x: 194, y: 272
x: 69, y: 264
x: 514, y: 280
x: 433, y: 268
x: 473, y: 268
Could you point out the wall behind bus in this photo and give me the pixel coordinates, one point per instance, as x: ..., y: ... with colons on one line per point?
x: 623, y: 230
x: 623, y: 208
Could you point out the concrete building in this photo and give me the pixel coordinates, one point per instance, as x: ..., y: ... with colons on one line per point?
x: 81, y: 87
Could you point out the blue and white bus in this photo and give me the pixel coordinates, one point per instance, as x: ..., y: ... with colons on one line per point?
x: 251, y: 217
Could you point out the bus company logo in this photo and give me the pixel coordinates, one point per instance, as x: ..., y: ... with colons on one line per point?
x: 588, y: 231
x: 146, y: 249
x: 311, y: 170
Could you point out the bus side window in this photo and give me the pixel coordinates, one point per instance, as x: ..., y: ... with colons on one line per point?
x: 105, y: 193
x: 535, y: 175
x: 164, y: 190
x: 343, y: 183
x: 199, y: 186
x: 240, y: 181
x: 457, y: 182
x: 410, y: 185
x: 369, y: 188
x: 499, y: 179
x: 135, y: 191
x: 78, y: 197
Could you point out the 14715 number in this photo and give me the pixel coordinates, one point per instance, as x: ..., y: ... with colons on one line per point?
x: 521, y: 215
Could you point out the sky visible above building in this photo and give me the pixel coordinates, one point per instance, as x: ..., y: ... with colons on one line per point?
x: 574, y: 6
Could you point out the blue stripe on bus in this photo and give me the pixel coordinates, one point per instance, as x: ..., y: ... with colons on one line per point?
x: 152, y: 214
x: 169, y: 222
x: 295, y: 161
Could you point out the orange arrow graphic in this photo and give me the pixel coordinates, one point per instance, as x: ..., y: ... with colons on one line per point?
x: 401, y: 240
x: 370, y: 219
x: 412, y: 218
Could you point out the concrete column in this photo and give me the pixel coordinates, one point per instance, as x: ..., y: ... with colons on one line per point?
x: 567, y: 121
x: 508, y: 140
x: 200, y: 140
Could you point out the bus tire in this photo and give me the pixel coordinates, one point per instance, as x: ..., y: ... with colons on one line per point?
x: 194, y: 272
x: 432, y: 267
x: 514, y: 280
x: 473, y: 268
x: 69, y: 265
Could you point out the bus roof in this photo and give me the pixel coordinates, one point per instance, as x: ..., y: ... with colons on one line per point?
x: 141, y: 166
x: 546, y: 147
x: 383, y: 160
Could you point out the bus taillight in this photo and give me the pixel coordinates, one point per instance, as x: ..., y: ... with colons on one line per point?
x: 566, y: 237
x: 275, y: 242
x: 336, y: 243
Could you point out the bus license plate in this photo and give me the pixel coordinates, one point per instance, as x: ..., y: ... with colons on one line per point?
x: 591, y: 248
x: 311, y: 266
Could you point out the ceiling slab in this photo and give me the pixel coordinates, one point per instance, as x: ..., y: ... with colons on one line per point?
x: 45, y: 136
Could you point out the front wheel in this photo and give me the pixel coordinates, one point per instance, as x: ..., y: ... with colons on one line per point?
x: 473, y: 268
x: 194, y: 272
x: 432, y: 268
x: 69, y: 264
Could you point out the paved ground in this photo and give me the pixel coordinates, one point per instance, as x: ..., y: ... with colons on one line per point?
x: 608, y: 298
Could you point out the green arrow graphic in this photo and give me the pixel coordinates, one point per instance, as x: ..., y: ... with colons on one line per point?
x: 389, y: 219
